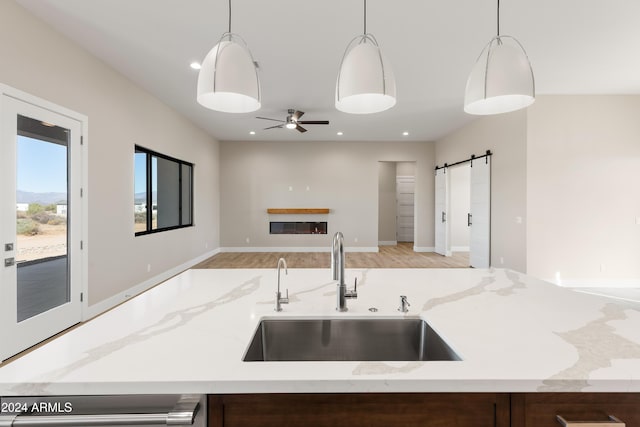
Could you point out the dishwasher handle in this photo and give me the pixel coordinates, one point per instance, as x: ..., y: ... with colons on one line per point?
x: 183, y: 414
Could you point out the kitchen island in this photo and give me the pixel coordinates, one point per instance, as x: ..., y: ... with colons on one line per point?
x: 513, y: 333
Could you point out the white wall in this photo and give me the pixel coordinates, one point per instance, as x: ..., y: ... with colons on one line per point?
x: 38, y: 60
x: 387, y: 202
x: 405, y: 169
x: 566, y: 171
x: 583, y: 187
x: 505, y: 135
x: 460, y: 205
x: 342, y: 176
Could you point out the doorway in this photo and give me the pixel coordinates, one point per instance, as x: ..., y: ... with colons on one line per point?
x: 396, y: 202
x: 42, y: 218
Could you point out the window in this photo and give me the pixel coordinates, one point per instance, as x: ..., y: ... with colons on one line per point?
x: 163, y: 192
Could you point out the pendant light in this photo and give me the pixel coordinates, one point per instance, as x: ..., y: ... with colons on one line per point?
x: 502, y: 78
x: 365, y: 81
x: 228, y: 80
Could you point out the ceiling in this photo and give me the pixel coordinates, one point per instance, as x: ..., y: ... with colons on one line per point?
x: 575, y: 47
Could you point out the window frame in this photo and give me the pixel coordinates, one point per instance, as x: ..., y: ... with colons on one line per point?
x: 149, y: 154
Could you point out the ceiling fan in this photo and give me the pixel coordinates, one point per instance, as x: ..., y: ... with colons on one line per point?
x: 293, y: 121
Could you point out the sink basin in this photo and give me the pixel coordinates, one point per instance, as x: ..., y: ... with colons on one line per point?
x: 347, y: 340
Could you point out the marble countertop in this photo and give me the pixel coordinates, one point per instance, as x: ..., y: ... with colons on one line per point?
x: 188, y: 335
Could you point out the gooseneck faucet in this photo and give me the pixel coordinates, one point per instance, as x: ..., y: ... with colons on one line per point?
x: 279, y: 299
x: 337, y: 273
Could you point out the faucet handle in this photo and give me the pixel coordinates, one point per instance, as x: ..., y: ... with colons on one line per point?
x: 354, y: 293
x: 285, y: 300
x: 404, y: 304
x: 280, y: 300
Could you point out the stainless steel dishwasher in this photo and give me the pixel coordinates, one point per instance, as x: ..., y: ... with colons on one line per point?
x: 116, y: 410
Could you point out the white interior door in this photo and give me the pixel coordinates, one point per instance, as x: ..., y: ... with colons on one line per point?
x: 480, y: 215
x: 442, y: 212
x: 41, y: 216
x: 405, y: 205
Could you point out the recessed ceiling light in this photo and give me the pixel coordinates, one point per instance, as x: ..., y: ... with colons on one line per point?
x: 252, y: 133
x: 405, y: 133
x: 195, y: 65
x: 339, y: 134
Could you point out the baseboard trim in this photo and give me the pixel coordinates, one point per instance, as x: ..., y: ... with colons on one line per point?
x: 459, y: 248
x: 424, y: 249
x: 275, y: 249
x: 387, y: 243
x: 596, y: 283
x: 297, y: 249
x: 362, y: 249
x: 94, y: 310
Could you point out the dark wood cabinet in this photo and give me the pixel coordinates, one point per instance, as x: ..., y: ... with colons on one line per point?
x: 541, y: 409
x: 421, y: 409
x: 359, y: 410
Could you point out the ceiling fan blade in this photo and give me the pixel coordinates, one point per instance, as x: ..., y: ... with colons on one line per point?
x: 266, y: 118
x: 297, y: 115
x: 273, y: 127
x: 300, y: 128
x: 314, y: 122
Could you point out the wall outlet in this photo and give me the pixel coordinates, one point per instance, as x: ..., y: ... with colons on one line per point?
x: 602, y: 268
x: 638, y: 220
x: 206, y: 245
x: 148, y: 268
x: 247, y: 240
x: 501, y: 260
x: 355, y: 239
x: 518, y: 220
x: 308, y: 188
x: 290, y: 188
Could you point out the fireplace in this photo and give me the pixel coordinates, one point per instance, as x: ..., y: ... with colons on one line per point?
x: 297, y: 227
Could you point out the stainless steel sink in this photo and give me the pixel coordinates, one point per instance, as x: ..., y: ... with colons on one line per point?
x: 347, y: 340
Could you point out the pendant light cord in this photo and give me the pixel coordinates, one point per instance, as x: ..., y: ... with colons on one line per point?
x: 497, y: 20
x: 365, y: 16
x: 229, y: 16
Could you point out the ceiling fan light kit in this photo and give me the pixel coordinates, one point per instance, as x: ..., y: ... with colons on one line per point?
x: 501, y: 79
x: 228, y: 79
x: 293, y: 121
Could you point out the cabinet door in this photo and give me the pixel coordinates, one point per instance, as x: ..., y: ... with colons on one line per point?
x: 356, y: 410
x: 541, y: 409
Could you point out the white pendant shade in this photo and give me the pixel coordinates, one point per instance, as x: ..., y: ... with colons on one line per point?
x: 365, y: 81
x: 501, y: 80
x: 228, y: 80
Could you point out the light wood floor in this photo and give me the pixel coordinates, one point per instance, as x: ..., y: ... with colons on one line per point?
x: 400, y: 256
